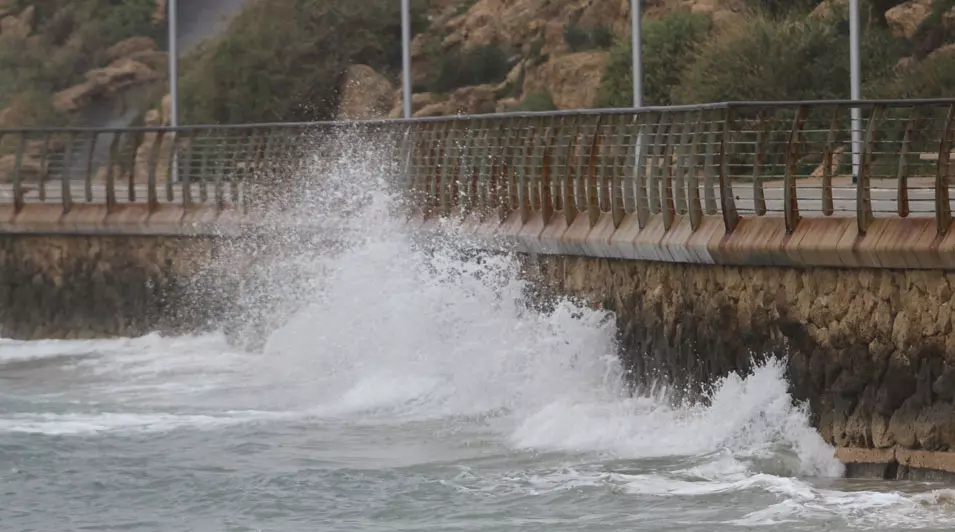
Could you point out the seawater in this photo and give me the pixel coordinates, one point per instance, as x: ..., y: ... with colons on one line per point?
x: 417, y: 391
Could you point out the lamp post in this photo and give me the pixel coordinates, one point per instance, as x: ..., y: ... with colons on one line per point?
x: 173, y: 82
x: 855, y: 89
x: 173, y: 66
x: 406, y: 54
x: 636, y: 37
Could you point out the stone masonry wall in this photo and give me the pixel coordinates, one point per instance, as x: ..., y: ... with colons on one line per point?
x: 96, y: 286
x: 872, y: 351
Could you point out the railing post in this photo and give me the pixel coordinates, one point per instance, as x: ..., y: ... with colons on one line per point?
x: 694, y: 208
x: 593, y: 188
x: 863, y: 187
x: 67, y: 199
x: 827, y: 206
x: 569, y: 182
x: 759, y: 196
x: 546, y: 193
x: 110, y: 178
x: 88, y: 178
x: 618, y: 197
x: 682, y: 165
x: 152, y: 200
x: 657, y: 160
x: 943, y: 209
x: 44, y: 155
x: 790, y: 198
x: 17, y: 178
x: 185, y: 176
x: 902, y: 192
x: 641, y: 169
x: 727, y: 198
x: 709, y: 192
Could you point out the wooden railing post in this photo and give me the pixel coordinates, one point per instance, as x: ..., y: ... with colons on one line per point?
x: 943, y: 209
x: 790, y: 198
x: 727, y: 199
x: 863, y: 187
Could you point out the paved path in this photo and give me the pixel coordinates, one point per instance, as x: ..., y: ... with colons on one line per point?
x: 809, y: 193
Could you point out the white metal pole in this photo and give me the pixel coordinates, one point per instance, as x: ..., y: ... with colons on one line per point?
x: 173, y: 66
x: 636, y: 37
x: 855, y: 88
x: 173, y: 79
x: 406, y: 54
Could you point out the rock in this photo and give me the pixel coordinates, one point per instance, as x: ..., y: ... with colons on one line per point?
x: 507, y: 105
x: 476, y: 100
x: 366, y: 94
x: 152, y: 118
x: 128, y: 47
x: 160, y: 14
x: 166, y: 109
x: 572, y: 79
x: 829, y: 8
x: 154, y: 59
x: 144, y: 154
x: 74, y: 98
x: 905, y: 18
x: 435, y: 109
x: 17, y: 28
x: 948, y: 49
x: 418, y: 102
x: 30, y: 167
x: 836, y: 159
x: 119, y: 75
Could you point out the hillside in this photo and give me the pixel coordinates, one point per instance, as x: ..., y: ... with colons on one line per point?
x: 318, y: 59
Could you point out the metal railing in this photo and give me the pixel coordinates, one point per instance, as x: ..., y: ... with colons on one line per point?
x: 785, y: 159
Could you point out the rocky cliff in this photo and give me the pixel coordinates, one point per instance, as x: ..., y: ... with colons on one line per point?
x: 59, y: 57
x: 318, y: 59
x: 498, y: 55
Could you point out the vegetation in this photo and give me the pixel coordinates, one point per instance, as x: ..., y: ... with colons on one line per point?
x: 792, y: 58
x: 283, y: 60
x: 69, y: 37
x: 536, y: 102
x: 580, y: 39
x: 474, y: 66
x: 668, y: 46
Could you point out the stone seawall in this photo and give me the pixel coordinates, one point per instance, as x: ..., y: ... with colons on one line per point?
x: 126, y: 285
x: 872, y: 351
x: 73, y: 286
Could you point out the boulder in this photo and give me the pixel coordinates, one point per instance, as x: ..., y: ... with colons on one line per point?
x: 17, y: 28
x: 418, y: 101
x: 159, y: 15
x: 130, y: 46
x: 366, y: 94
x: 905, y: 18
x: 476, y: 100
x: 106, y: 81
x: 572, y: 79
x: 30, y: 168
x: 154, y: 59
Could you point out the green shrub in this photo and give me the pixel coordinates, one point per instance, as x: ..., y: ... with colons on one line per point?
x: 283, y: 60
x: 537, y: 102
x: 667, y: 47
x: 127, y: 18
x: 777, y: 8
x: 933, y: 77
x: 474, y: 66
x: 579, y: 38
x: 783, y: 59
